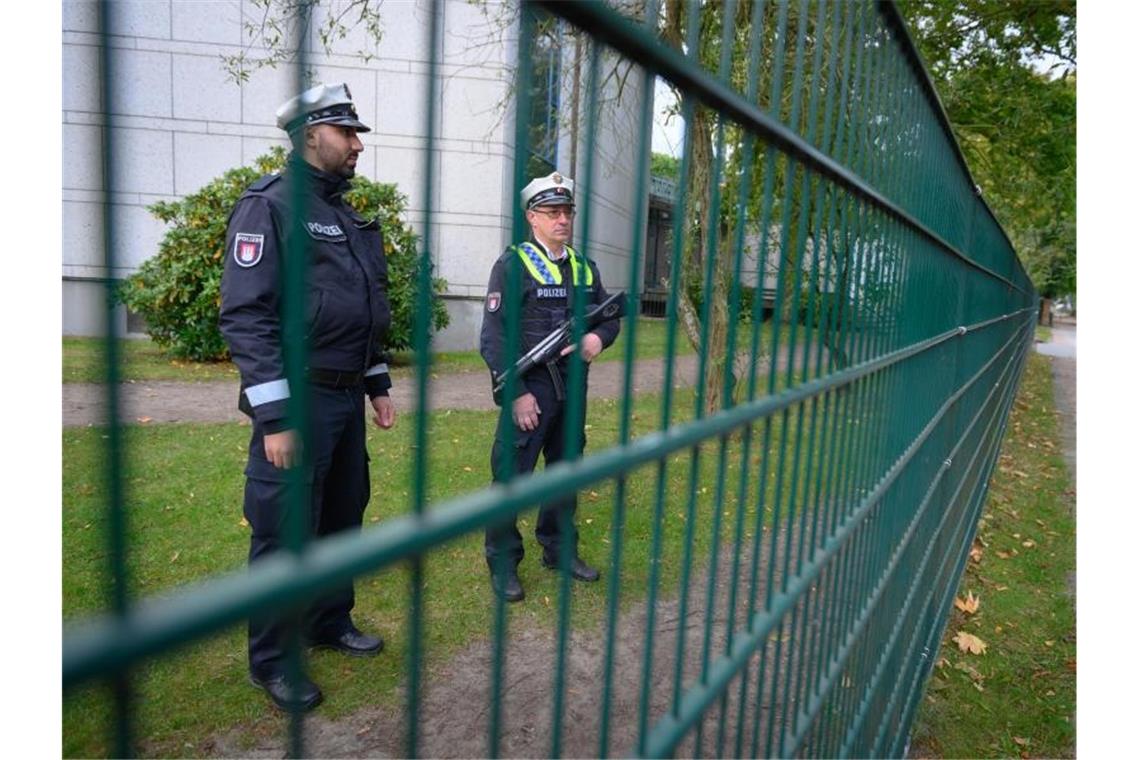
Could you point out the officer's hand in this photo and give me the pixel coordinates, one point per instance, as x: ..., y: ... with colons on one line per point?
x: 282, y: 449
x: 591, y: 347
x: 526, y: 412
x: 385, y: 411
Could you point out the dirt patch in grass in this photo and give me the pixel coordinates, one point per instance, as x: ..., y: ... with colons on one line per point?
x: 454, y: 712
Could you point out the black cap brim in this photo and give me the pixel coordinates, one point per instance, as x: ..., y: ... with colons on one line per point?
x: 342, y: 121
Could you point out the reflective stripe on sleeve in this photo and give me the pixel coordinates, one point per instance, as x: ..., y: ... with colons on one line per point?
x: 275, y: 390
x: 379, y: 369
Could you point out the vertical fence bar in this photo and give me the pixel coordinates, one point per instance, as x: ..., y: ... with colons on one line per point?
x: 508, y: 461
x: 693, y: 34
x: 727, y: 45
x: 742, y: 209
x: 641, y: 197
x: 117, y: 567
x: 422, y: 341
x: 295, y: 344
x: 675, y: 272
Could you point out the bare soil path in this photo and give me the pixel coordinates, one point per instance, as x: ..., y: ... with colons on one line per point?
x: 172, y: 401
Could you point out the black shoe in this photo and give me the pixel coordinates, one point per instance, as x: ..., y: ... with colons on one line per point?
x: 507, y: 585
x: 579, y: 570
x: 350, y: 641
x: 307, y: 694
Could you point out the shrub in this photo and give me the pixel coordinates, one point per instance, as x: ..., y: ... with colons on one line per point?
x: 178, y: 292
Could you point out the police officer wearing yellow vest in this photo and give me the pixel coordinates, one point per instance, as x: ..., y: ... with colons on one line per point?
x: 549, y: 270
x: 347, y: 317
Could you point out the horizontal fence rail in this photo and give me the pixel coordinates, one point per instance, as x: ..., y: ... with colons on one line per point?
x: 811, y: 497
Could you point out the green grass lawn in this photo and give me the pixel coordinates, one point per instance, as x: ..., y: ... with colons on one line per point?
x: 184, y: 485
x: 187, y: 524
x: 143, y: 360
x: 1019, y: 698
x: 83, y: 362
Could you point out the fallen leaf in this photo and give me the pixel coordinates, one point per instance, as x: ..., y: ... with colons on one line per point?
x: 976, y: 554
x: 244, y: 523
x: 1029, y: 543
x: 467, y: 469
x: 546, y: 600
x: 1020, y: 741
x: 968, y: 642
x: 1003, y: 555
x: 1049, y: 643
x: 174, y: 556
x: 969, y: 605
x: 145, y: 420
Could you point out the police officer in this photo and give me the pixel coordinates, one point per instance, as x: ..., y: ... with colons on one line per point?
x: 347, y: 315
x: 550, y: 269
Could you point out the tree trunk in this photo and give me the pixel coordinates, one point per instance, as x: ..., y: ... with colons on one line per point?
x: 697, y: 229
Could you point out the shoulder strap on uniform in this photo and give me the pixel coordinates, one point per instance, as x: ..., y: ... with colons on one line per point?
x: 541, y: 268
x: 262, y: 183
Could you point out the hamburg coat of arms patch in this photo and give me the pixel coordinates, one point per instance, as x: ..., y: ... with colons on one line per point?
x: 248, y: 248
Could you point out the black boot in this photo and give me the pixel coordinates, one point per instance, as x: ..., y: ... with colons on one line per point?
x: 306, y: 696
x: 507, y: 585
x: 350, y: 641
x: 579, y: 570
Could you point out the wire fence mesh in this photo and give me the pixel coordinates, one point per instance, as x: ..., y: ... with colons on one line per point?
x: 821, y: 481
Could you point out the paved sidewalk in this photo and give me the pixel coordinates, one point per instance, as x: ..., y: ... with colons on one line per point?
x: 1063, y: 350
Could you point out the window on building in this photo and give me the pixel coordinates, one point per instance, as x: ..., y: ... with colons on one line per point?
x: 544, y: 104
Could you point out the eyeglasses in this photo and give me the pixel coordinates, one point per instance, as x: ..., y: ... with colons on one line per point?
x: 565, y: 211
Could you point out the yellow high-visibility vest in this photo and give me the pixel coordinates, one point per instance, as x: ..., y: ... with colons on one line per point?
x: 545, y: 271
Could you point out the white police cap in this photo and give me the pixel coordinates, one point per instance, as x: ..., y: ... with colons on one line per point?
x: 551, y: 190
x: 323, y: 104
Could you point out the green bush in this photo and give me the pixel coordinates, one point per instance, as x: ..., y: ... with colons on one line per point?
x: 178, y: 293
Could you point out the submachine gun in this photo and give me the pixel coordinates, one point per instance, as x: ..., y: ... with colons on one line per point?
x: 548, y: 350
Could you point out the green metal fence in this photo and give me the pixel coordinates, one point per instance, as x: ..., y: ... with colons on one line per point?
x: 851, y: 450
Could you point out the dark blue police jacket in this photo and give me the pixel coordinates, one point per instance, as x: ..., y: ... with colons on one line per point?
x: 347, y: 311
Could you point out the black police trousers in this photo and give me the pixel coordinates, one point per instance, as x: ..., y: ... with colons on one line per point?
x: 503, y: 542
x: 338, y: 490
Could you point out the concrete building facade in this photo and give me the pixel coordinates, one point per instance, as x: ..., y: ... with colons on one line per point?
x: 178, y: 121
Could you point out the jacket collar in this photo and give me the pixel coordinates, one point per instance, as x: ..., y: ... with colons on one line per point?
x: 325, y: 184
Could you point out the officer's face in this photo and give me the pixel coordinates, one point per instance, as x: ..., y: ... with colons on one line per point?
x: 334, y: 149
x: 552, y: 223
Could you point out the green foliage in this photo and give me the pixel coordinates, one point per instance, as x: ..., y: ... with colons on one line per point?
x: 1006, y: 74
x: 178, y: 290
x: 663, y: 165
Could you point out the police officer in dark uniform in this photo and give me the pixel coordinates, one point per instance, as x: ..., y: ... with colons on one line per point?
x: 348, y: 313
x: 550, y: 269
